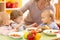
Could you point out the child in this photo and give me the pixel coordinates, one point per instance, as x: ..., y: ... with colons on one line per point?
x: 47, y: 20
x: 6, y: 18
x: 4, y: 24
x: 16, y: 17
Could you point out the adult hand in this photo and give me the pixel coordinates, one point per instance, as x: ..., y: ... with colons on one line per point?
x: 34, y: 25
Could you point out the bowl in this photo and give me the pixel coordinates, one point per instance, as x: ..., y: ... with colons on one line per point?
x: 16, y: 34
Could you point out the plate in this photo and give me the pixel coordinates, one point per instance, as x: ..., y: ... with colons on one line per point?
x: 58, y: 35
x: 51, y: 32
x: 16, y: 34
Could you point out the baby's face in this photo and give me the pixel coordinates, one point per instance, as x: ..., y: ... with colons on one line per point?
x: 6, y: 20
x: 45, y: 17
x: 18, y: 20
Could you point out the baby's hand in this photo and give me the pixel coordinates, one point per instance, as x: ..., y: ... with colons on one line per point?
x: 47, y: 27
x: 38, y: 27
x: 16, y: 29
x: 41, y: 27
x: 34, y: 25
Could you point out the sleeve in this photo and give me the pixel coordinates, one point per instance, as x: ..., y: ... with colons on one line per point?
x: 41, y: 25
x: 55, y: 26
x: 13, y: 24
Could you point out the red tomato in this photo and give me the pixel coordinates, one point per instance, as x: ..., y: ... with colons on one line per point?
x: 14, y: 5
x: 8, y: 5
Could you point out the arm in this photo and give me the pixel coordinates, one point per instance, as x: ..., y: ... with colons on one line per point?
x: 43, y: 26
x: 34, y: 25
x: 25, y: 7
x: 19, y: 25
x: 56, y: 27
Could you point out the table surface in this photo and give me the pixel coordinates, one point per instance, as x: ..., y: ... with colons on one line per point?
x: 44, y: 37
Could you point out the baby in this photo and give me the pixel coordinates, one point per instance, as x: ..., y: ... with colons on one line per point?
x: 4, y: 24
x: 17, y: 19
x: 47, y: 20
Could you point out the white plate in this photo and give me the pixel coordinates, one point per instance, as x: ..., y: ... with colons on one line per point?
x: 20, y: 34
x: 50, y: 32
x: 58, y: 35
